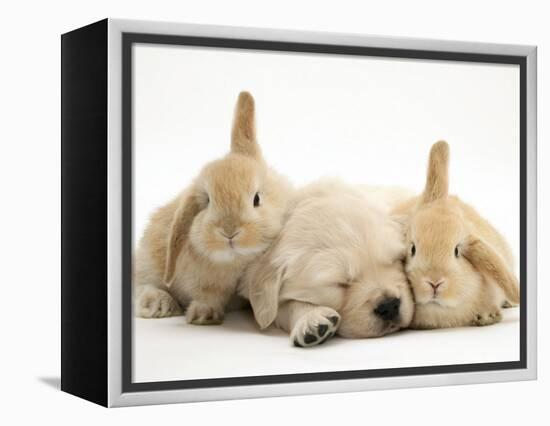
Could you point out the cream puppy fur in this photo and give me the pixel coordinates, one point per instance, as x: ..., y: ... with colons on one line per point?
x: 336, y: 267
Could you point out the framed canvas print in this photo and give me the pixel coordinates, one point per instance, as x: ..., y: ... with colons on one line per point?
x: 251, y: 212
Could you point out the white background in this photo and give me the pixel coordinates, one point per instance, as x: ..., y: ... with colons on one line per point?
x: 29, y: 172
x: 366, y: 120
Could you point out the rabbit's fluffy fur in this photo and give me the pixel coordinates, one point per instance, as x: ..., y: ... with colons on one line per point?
x: 461, y: 268
x: 337, y: 259
x: 196, y: 247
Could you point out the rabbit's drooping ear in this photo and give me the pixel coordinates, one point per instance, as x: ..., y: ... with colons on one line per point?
x: 437, y: 180
x: 179, y: 232
x: 264, y: 284
x: 489, y: 263
x: 243, y: 136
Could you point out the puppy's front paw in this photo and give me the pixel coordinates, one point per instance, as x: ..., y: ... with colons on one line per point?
x: 153, y: 302
x: 315, y: 327
x: 199, y: 313
x: 487, y: 318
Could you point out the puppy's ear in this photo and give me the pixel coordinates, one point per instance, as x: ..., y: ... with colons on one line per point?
x: 243, y: 135
x: 437, y: 179
x: 179, y: 232
x: 489, y: 263
x: 264, y: 283
x: 401, y: 222
x: 401, y: 225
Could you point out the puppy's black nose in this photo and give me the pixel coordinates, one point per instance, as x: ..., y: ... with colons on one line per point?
x: 388, y: 309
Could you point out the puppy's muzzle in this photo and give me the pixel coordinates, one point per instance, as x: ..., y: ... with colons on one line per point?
x: 388, y: 310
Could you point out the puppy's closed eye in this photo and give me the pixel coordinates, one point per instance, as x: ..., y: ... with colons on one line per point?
x: 344, y: 284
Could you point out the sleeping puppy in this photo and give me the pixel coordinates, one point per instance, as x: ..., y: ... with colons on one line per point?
x: 336, y: 267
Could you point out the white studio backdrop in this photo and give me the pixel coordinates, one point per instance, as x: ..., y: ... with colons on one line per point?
x: 367, y: 120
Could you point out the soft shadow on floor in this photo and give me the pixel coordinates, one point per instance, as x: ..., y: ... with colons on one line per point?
x: 54, y: 382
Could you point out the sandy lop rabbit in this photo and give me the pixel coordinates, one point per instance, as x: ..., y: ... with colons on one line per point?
x: 459, y: 266
x: 196, y: 247
x: 336, y: 267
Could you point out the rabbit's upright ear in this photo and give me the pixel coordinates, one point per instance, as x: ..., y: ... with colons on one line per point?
x: 489, y: 263
x: 264, y: 284
x: 179, y: 232
x: 437, y: 180
x: 243, y: 135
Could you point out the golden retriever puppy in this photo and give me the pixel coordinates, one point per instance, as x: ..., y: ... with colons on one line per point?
x: 335, y: 268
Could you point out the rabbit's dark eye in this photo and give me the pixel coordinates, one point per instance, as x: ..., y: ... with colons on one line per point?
x: 456, y: 251
x: 413, y: 250
x: 257, y: 200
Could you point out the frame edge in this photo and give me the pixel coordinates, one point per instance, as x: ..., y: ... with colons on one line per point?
x: 83, y: 212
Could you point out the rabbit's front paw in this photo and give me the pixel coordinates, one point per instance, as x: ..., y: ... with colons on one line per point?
x: 487, y: 318
x: 153, y: 302
x: 199, y: 313
x: 506, y: 304
x: 315, y: 327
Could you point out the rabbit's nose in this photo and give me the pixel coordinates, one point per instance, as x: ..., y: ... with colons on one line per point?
x: 229, y: 227
x: 435, y: 284
x: 388, y: 309
x: 230, y: 236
